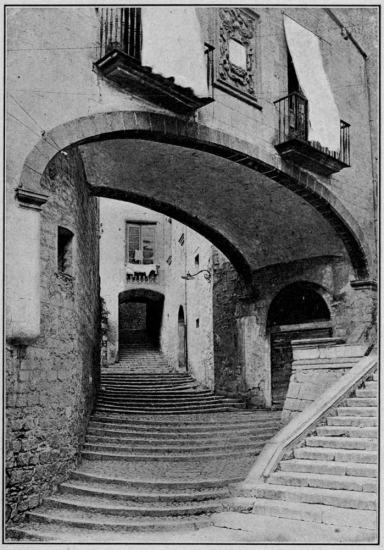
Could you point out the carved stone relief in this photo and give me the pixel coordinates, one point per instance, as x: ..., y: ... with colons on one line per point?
x: 237, y: 33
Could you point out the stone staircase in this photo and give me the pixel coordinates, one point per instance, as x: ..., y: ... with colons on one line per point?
x: 160, y: 454
x: 331, y: 476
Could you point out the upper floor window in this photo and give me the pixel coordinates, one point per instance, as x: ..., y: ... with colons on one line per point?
x: 140, y: 243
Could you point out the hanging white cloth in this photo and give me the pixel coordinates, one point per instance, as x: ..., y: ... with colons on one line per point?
x: 173, y: 46
x: 323, y: 114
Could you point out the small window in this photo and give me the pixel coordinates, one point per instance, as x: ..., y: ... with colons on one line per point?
x: 197, y: 260
x: 197, y: 323
x: 181, y: 240
x: 140, y: 243
x: 64, y: 250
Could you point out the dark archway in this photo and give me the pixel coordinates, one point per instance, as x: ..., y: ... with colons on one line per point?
x: 298, y: 311
x: 140, y: 315
x: 182, y: 340
x: 297, y: 303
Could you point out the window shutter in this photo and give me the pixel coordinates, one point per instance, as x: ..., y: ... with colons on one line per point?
x: 134, y: 241
x: 148, y: 236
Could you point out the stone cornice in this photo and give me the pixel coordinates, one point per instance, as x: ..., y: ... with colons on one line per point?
x: 30, y: 199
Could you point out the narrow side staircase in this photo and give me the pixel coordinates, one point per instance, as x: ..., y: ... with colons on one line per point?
x: 331, y: 476
x: 160, y: 454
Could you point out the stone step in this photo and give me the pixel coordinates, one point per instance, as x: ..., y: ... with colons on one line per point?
x: 76, y: 519
x: 324, y: 481
x: 179, y: 468
x: 342, y: 455
x: 168, y: 448
x: 164, y: 393
x: 147, y: 387
x: 342, y: 442
x: 147, y: 485
x: 192, y: 432
x: 356, y: 411
x: 329, y: 467
x: 349, y: 431
x: 180, y: 438
x: 26, y: 532
x: 134, y: 496
x: 356, y: 421
x: 371, y: 385
x: 225, y: 421
x: 365, y: 392
x: 171, y: 457
x: 102, y: 507
x: 361, y: 402
x: 145, y: 378
x: 161, y: 400
x: 309, y: 495
x: 165, y: 410
x: 317, y: 513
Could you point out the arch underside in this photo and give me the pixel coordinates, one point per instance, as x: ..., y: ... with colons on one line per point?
x: 201, y: 167
x: 251, y: 218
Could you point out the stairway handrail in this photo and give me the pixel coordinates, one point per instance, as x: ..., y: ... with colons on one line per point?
x: 305, y: 421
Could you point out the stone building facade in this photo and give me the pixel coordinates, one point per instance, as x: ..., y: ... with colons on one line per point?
x: 186, y: 312
x: 280, y: 209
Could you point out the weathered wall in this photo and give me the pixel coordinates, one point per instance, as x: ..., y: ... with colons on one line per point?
x: 242, y: 340
x: 51, y: 384
x: 316, y: 366
x: 113, y: 218
x: 196, y: 298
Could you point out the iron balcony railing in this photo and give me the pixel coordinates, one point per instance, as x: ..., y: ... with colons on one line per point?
x: 293, y: 124
x: 121, y: 29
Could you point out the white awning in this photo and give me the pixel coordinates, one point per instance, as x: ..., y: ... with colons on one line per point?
x: 173, y: 46
x: 324, y: 118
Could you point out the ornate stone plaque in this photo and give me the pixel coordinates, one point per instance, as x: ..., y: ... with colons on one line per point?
x: 236, y: 64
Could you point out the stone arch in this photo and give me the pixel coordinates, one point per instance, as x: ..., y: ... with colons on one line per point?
x: 298, y: 310
x: 141, y: 294
x: 163, y: 128
x: 144, y: 322
x: 278, y: 313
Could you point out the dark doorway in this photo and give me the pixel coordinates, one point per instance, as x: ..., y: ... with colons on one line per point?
x: 140, y: 315
x: 298, y: 311
x: 182, y: 332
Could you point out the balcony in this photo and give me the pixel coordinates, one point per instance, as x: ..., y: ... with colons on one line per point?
x: 142, y: 274
x: 120, y: 61
x: 293, y: 144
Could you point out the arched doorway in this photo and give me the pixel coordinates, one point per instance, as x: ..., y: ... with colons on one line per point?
x: 182, y: 340
x: 298, y: 311
x: 140, y: 314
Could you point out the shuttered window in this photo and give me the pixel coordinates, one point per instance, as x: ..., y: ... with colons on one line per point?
x: 140, y: 243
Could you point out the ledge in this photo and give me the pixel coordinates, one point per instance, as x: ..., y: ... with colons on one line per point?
x: 133, y: 77
x: 364, y: 285
x: 303, y: 154
x: 30, y: 199
x: 317, y: 342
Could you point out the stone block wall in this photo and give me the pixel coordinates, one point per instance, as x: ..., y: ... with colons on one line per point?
x: 51, y: 383
x: 317, y: 364
x: 242, y: 339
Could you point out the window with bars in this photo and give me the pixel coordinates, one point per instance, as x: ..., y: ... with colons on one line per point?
x: 140, y: 243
